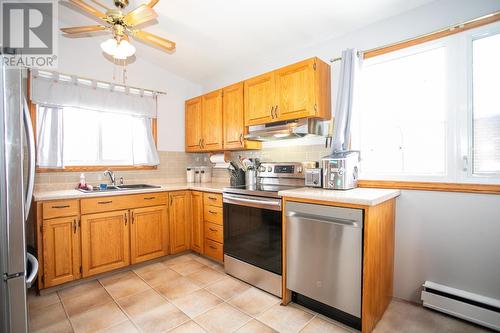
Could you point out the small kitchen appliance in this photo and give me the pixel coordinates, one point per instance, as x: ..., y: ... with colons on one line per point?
x: 340, y: 170
x: 314, y: 177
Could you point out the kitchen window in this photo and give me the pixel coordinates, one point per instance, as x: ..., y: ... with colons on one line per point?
x: 486, y: 105
x: 92, y: 138
x: 83, y: 124
x: 431, y: 112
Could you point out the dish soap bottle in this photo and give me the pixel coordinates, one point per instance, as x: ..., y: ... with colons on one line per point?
x: 82, y: 184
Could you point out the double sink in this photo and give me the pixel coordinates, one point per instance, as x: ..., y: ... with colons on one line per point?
x: 111, y: 188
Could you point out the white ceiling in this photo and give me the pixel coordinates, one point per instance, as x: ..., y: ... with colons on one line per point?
x: 215, y: 36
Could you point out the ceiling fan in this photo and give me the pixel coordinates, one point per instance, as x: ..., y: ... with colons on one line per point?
x: 122, y: 25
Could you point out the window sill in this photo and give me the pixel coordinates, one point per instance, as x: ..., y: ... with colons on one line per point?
x: 431, y: 186
x: 88, y: 168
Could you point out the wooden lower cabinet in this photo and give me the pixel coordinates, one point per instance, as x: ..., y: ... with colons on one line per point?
x: 197, y: 232
x: 148, y: 233
x: 61, y: 250
x: 105, y: 242
x: 180, y: 220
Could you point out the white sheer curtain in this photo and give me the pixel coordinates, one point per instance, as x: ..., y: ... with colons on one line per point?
x: 80, y: 122
x: 349, y: 69
x: 50, y: 137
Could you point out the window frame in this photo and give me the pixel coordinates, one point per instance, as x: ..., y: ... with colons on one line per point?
x: 87, y: 168
x: 468, y: 137
x: 465, y: 181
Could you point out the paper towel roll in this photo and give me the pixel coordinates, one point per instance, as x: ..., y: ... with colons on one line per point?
x: 218, y: 161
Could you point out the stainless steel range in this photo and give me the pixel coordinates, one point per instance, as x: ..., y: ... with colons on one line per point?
x: 253, y: 225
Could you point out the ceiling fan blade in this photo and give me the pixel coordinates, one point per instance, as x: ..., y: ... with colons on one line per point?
x: 152, y: 3
x: 87, y: 28
x: 88, y: 8
x: 161, y: 42
x: 141, y: 14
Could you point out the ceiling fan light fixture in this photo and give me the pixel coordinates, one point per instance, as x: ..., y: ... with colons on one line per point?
x: 118, y: 50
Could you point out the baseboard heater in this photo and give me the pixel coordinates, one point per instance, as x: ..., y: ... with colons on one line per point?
x: 476, y: 308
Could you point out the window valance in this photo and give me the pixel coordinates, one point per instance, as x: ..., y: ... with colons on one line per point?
x: 58, y: 90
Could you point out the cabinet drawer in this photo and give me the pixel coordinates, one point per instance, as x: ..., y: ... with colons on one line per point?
x: 212, y: 199
x: 213, y: 250
x: 212, y: 214
x: 118, y: 202
x: 60, y: 208
x: 214, y: 232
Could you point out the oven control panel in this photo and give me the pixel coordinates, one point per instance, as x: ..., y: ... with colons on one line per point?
x: 284, y: 170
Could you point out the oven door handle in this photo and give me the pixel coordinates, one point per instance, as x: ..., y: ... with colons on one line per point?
x: 245, y: 201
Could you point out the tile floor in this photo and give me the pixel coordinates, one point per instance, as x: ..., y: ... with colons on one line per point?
x: 189, y: 293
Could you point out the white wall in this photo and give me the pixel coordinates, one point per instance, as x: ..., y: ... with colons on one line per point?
x: 82, y: 56
x: 449, y: 238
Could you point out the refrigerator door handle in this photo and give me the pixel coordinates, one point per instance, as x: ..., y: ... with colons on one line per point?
x: 34, y: 270
x: 28, y: 125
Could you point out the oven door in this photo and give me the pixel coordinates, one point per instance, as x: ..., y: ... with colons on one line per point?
x: 252, y: 230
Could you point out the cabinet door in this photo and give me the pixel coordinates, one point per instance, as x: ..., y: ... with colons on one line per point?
x: 148, y: 233
x: 197, y: 222
x: 61, y: 250
x: 295, y: 89
x: 212, y: 121
x: 179, y: 221
x: 193, y: 124
x: 234, y: 122
x: 105, y: 242
x: 260, y: 99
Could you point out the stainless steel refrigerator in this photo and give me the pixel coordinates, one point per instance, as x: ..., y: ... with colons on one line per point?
x: 18, y: 270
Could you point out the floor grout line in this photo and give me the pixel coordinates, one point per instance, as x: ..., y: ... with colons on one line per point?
x: 65, y: 311
x: 121, y: 308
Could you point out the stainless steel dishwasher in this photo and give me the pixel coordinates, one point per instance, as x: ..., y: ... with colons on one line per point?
x: 324, y: 247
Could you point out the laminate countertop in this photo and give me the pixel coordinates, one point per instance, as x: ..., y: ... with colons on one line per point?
x: 357, y: 196
x: 75, y: 194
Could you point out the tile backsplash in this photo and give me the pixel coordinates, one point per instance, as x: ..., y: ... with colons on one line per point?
x: 172, y: 168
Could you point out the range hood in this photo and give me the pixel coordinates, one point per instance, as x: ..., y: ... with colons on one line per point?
x: 290, y: 129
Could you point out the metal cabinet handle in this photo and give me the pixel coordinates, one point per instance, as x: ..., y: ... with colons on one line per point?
x: 241, y: 138
x: 104, y: 202
x: 61, y: 206
x: 212, y: 212
x: 272, y: 108
x: 74, y: 226
x: 132, y: 218
x: 276, y: 112
x: 125, y: 217
x: 211, y: 229
x: 149, y: 198
x: 212, y: 247
x: 171, y: 200
x: 199, y: 143
x: 212, y: 198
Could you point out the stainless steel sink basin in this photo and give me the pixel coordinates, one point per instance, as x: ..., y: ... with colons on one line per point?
x: 120, y: 188
x: 136, y: 186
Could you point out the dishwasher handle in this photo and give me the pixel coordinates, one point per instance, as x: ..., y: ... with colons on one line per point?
x: 325, y: 219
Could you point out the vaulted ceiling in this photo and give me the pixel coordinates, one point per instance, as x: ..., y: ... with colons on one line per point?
x: 213, y: 36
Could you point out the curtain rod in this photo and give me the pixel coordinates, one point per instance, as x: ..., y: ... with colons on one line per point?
x: 102, y: 81
x: 448, y: 29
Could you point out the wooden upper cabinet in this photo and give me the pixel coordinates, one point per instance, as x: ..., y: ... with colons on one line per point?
x: 193, y: 124
x: 148, y: 233
x: 295, y: 90
x: 179, y: 221
x: 197, y: 230
x: 234, y: 121
x: 105, y: 242
x: 300, y: 90
x: 211, y: 106
x: 61, y: 250
x: 260, y: 99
